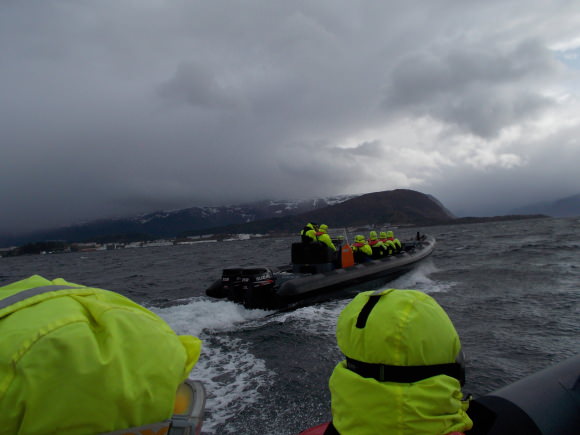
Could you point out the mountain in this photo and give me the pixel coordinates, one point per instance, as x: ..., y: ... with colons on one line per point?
x: 393, y: 207
x: 564, y: 207
x: 172, y: 223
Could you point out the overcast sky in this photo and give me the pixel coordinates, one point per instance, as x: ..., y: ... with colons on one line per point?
x: 118, y: 107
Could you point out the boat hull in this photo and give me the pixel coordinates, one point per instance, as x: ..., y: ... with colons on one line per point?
x: 266, y: 287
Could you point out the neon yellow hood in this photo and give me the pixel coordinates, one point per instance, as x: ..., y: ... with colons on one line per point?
x: 85, y: 360
x: 405, y: 328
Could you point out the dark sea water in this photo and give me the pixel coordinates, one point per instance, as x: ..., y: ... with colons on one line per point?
x: 511, y: 289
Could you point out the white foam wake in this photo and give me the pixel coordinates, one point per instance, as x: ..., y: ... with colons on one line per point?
x: 419, y: 279
x: 232, y: 375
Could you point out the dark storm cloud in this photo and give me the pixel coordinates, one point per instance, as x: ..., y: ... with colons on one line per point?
x: 114, y: 107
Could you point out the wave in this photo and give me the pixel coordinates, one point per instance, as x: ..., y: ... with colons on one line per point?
x: 420, y: 279
x: 233, y: 376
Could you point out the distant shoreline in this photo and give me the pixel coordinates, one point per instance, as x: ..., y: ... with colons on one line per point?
x: 41, y: 247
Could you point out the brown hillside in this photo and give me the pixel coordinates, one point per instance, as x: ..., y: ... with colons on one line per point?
x: 398, y: 207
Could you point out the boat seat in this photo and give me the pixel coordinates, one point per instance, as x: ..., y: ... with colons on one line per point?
x: 311, y: 253
x: 361, y: 257
x: 377, y: 252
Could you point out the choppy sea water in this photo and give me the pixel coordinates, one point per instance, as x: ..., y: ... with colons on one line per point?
x: 511, y: 289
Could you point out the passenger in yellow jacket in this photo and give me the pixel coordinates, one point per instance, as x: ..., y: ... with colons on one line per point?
x: 80, y: 360
x: 396, y: 242
x: 308, y: 233
x: 390, y: 247
x: 379, y: 249
x: 323, y: 237
x: 403, y: 370
x: 361, y: 249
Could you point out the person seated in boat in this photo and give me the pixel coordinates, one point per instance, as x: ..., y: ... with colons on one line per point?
x: 376, y: 245
x: 390, y: 247
x: 396, y: 242
x: 83, y: 360
x: 361, y: 250
x: 308, y: 233
x: 323, y: 237
x: 403, y: 371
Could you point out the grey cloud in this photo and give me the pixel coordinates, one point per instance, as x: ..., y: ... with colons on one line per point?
x: 551, y: 173
x: 114, y: 107
x: 371, y: 149
x: 195, y: 85
x: 480, y: 89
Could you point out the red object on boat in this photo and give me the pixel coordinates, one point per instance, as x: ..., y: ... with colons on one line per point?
x: 316, y: 430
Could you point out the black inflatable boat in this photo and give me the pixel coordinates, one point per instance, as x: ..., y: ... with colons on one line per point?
x: 544, y: 403
x: 314, y: 271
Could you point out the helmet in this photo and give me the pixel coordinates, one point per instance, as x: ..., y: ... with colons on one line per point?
x: 323, y: 228
x: 390, y: 234
x: 401, y: 372
x: 112, y: 362
x: 359, y: 238
x: 383, y: 235
x: 389, y: 328
x: 373, y: 235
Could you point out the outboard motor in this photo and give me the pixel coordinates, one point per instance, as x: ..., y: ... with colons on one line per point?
x: 232, y: 283
x: 257, y: 287
x: 547, y: 402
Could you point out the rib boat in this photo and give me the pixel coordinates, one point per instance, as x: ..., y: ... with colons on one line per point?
x: 315, y: 271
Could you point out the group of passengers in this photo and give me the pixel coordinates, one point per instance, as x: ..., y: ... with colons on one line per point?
x: 313, y: 232
x: 375, y: 247
x: 364, y: 250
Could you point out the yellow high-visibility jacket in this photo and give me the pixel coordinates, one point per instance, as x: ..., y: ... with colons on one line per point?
x: 82, y: 360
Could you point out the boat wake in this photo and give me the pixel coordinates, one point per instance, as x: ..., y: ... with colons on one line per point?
x: 420, y: 279
x: 314, y: 320
x: 201, y: 314
x: 232, y: 375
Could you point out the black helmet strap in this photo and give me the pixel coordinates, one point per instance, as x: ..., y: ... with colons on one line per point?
x: 363, y: 316
x: 361, y: 320
x: 405, y: 374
